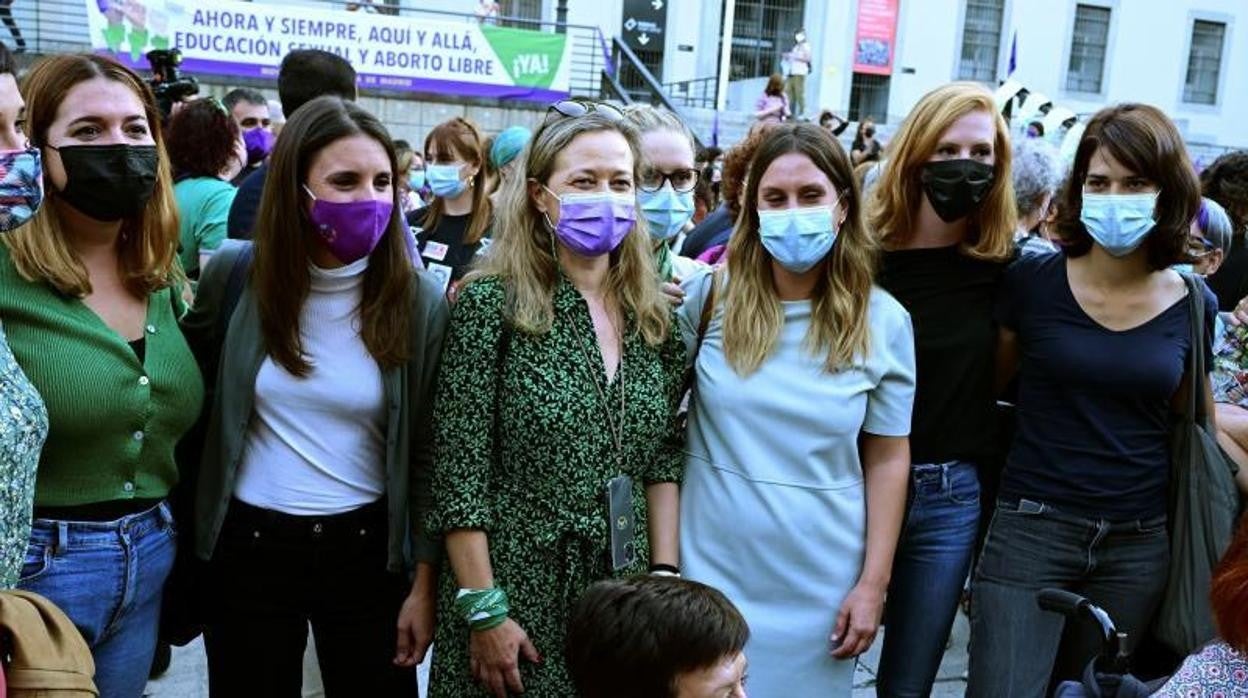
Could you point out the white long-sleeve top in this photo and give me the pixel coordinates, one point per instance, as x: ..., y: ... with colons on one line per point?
x: 316, y: 445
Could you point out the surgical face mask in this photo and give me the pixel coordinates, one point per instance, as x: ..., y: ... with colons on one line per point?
x: 956, y: 188
x: 351, y: 229
x: 21, y: 187
x: 1184, y: 268
x: 108, y: 182
x: 798, y: 238
x: 1118, y: 222
x: 800, y: 38
x: 444, y: 180
x: 259, y: 144
x: 592, y: 225
x: 666, y: 211
x: 416, y: 179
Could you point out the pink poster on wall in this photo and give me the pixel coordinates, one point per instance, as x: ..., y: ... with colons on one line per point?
x: 877, y: 30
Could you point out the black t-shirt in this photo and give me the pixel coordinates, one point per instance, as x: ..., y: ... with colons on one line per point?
x: 871, y: 153
x: 950, y: 299
x: 1231, y: 282
x: 1094, y: 405
x: 442, y: 249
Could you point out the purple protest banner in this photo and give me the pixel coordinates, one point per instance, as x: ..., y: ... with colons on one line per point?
x: 223, y: 37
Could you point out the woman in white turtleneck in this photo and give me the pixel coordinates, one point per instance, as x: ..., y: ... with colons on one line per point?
x: 317, y: 456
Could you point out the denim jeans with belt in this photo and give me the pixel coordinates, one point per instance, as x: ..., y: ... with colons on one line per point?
x: 929, y: 572
x: 108, y: 577
x: 1120, y: 566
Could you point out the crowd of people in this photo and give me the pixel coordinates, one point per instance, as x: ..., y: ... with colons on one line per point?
x: 586, y: 410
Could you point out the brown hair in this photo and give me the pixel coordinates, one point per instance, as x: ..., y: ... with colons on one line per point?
x: 635, y: 637
x: 775, y: 85
x: 1145, y: 141
x: 1226, y: 182
x: 460, y: 136
x: 1228, y: 593
x: 284, y: 235
x: 737, y: 164
x: 203, y: 139
x: 148, y: 244
x: 897, y: 195
x: 753, y: 315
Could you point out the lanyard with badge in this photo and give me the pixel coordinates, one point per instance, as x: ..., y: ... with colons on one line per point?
x: 621, y: 520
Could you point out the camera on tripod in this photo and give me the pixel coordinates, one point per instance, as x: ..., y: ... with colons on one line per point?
x: 168, y: 83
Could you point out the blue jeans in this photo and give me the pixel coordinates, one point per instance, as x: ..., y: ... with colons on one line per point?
x: 1119, y: 566
x: 929, y: 572
x: 107, y: 577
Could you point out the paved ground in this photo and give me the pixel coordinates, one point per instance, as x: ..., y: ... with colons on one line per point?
x: 188, y: 676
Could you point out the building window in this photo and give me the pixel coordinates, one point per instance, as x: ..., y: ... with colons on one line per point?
x: 868, y: 97
x: 762, y: 32
x: 1087, y: 49
x: 981, y: 40
x: 1204, y: 63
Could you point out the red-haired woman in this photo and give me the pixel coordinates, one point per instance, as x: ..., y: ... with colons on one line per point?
x: 206, y: 150
x: 1221, y: 668
x: 454, y: 228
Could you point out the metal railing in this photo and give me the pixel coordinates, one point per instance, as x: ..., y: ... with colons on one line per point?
x: 699, y: 92
x: 58, y: 26
x: 628, y: 80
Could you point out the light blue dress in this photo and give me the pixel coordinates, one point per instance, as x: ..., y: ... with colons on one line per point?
x: 773, y: 508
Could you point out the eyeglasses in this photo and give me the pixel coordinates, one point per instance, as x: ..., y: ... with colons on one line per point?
x: 574, y: 108
x: 1198, y: 246
x: 683, y: 181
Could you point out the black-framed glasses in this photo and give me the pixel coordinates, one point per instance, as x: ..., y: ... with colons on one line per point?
x: 574, y: 108
x: 683, y: 180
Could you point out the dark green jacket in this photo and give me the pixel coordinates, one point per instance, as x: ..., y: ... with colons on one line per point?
x: 409, y: 391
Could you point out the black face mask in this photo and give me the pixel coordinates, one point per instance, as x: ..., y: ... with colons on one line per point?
x: 868, y: 132
x: 956, y: 187
x: 108, y: 182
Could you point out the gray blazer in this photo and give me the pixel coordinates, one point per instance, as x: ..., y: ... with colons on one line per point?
x: 409, y: 392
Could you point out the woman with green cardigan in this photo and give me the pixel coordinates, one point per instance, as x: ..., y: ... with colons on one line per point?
x: 89, y: 313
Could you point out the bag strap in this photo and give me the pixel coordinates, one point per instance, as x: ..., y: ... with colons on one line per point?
x: 1195, y: 411
x: 500, y: 360
x: 704, y: 322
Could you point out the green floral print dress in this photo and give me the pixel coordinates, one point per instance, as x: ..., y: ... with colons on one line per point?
x: 23, y: 429
x: 538, y: 488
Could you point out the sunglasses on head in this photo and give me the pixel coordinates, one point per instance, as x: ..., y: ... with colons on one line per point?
x: 575, y: 108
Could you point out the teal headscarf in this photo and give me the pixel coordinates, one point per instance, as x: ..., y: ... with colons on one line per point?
x: 508, y: 144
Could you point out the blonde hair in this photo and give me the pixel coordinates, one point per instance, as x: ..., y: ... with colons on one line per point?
x: 648, y: 118
x: 896, y: 197
x: 147, y: 246
x: 523, y: 256
x: 753, y: 315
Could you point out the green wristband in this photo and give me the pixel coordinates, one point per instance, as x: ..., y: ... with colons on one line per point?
x: 482, y: 609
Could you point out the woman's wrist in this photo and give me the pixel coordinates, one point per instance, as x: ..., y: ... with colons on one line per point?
x: 660, y: 569
x: 482, y: 609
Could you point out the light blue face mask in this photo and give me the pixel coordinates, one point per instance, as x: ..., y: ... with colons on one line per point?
x: 666, y: 211
x: 444, y: 180
x: 1118, y: 222
x: 416, y: 179
x: 798, y: 238
x: 1184, y: 268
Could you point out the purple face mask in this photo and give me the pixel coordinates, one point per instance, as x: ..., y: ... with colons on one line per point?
x: 592, y: 225
x: 351, y: 229
x: 259, y: 144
